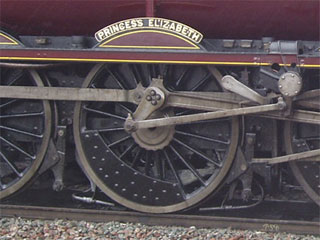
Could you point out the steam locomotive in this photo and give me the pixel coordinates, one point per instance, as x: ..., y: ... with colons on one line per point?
x: 168, y: 103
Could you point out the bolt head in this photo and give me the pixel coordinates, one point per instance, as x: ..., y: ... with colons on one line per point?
x: 152, y: 92
x: 154, y: 102
x: 243, y: 167
x: 149, y: 98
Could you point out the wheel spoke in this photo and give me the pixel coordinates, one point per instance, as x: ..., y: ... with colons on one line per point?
x: 202, y: 137
x: 131, y: 147
x: 10, y: 165
x: 192, y: 169
x: 198, y: 153
x: 147, y: 166
x: 182, y: 77
x: 174, y: 173
x: 103, y: 113
x: 119, y: 141
x: 9, y: 102
x: 18, y: 148
x: 165, y: 71
x: 198, y: 85
x: 21, y: 131
x: 124, y: 107
x: 136, y: 158
x: 21, y: 115
x: 16, y: 78
x: 133, y: 74
x: 116, y: 78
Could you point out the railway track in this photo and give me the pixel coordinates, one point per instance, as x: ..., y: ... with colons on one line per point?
x: 299, y: 227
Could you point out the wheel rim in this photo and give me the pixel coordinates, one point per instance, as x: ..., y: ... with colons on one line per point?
x: 186, y: 165
x: 304, y: 137
x: 25, y: 127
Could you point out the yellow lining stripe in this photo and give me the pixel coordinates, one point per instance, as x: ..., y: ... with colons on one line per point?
x: 149, y: 61
x: 141, y: 31
x: 13, y: 42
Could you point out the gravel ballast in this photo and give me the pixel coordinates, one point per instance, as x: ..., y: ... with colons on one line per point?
x: 20, y: 228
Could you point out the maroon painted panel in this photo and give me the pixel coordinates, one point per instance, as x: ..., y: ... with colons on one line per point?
x: 251, y: 19
x: 172, y: 57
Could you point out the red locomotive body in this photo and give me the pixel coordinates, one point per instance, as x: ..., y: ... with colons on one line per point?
x: 169, y: 101
x: 244, y: 19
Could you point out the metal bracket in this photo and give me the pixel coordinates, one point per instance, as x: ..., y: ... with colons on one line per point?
x: 243, y: 159
x: 51, y: 158
x: 58, y: 169
x: 231, y: 84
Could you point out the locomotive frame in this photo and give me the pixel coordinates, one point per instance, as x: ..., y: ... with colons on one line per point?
x: 171, y: 117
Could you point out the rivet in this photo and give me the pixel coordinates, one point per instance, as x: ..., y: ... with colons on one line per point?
x: 280, y: 86
x: 100, y: 169
x: 286, y: 94
x: 87, y: 135
x: 102, y: 159
x: 107, y: 150
x: 95, y: 147
x: 122, y: 165
x: 96, y: 134
x: 292, y: 75
x: 106, y: 176
x: 178, y: 194
x: 156, y: 198
x: 299, y: 83
x: 116, y: 184
x: 317, y: 176
x: 154, y: 181
x: 150, y: 190
x: 132, y: 182
x: 296, y: 92
x: 93, y: 157
x: 164, y: 191
x: 116, y: 172
x: 174, y: 185
x: 283, y: 77
x: 123, y: 189
x: 243, y: 167
x: 144, y: 197
x: 135, y: 173
x: 136, y: 195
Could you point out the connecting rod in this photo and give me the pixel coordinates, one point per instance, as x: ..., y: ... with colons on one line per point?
x: 151, y: 123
